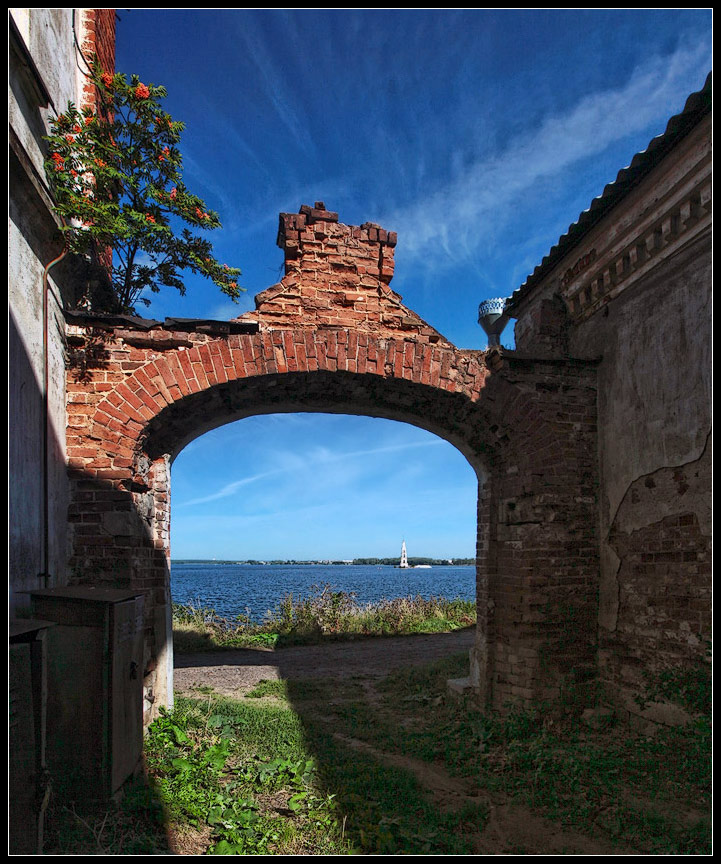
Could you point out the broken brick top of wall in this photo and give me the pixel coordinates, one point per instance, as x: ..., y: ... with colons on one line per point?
x: 337, y: 276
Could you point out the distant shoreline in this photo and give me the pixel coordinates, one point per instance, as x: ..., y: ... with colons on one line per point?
x: 358, y: 562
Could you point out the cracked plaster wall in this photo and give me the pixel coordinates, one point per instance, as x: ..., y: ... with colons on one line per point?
x: 654, y: 410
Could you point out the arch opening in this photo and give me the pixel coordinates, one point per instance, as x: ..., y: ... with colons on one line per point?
x: 449, y: 415
x: 324, y: 490
x: 525, y: 426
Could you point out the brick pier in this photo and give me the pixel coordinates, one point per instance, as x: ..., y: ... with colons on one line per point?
x: 333, y: 337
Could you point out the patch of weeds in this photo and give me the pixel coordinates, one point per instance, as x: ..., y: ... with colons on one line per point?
x: 429, y: 680
x: 252, y: 777
x: 359, y: 720
x: 259, y: 640
x: 241, y: 773
x: 325, y: 614
x: 688, y: 686
x: 133, y: 826
x: 386, y: 810
x: 324, y: 692
x: 650, y: 792
x: 203, y: 689
x: 278, y: 689
x: 301, y: 690
x: 659, y: 834
x: 215, y: 766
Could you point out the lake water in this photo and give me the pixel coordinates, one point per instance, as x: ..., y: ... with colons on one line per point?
x: 233, y: 589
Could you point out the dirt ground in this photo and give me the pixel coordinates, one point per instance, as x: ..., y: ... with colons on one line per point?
x: 512, y: 828
x: 232, y: 673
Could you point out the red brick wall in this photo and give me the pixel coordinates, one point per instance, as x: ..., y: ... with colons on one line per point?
x: 337, y: 276
x: 526, y: 426
x: 98, y: 41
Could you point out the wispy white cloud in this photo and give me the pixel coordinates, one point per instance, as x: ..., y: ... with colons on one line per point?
x: 202, y: 179
x: 326, y: 455
x: 275, y: 85
x: 231, y: 488
x: 457, y: 219
x: 317, y: 458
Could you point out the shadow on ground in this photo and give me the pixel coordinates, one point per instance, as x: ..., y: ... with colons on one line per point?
x: 359, y: 748
x: 413, y: 769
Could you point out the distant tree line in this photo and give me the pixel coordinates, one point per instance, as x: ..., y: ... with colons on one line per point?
x: 438, y: 562
x: 414, y: 561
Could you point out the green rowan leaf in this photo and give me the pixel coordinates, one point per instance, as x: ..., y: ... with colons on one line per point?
x: 117, y: 181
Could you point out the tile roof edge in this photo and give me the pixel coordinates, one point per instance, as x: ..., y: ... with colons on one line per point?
x: 697, y: 106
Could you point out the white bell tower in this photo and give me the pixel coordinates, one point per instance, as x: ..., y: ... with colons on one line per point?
x: 404, y: 556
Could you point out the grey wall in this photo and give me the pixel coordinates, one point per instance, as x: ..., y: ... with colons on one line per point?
x: 654, y: 435
x: 46, y: 36
x: 647, y: 323
x: 654, y: 380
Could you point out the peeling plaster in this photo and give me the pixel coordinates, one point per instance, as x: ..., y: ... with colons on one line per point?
x: 669, y: 491
x: 665, y: 492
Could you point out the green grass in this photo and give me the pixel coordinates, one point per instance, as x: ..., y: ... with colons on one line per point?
x: 276, y: 689
x: 216, y: 763
x: 303, y: 767
x: 323, y: 615
x: 651, y: 792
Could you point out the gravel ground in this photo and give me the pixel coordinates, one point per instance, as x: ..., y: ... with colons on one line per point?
x: 236, y: 671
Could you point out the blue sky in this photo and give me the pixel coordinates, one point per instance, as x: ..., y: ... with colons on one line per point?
x: 478, y: 136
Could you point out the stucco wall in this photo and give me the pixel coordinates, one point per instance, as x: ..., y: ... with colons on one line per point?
x: 29, y: 244
x: 655, y: 378
x: 48, y: 37
x: 45, y: 73
x: 654, y: 464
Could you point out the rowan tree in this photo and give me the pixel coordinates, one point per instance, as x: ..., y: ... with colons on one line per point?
x: 117, y: 180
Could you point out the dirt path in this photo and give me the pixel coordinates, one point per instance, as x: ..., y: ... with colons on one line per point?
x: 511, y: 829
x: 234, y: 672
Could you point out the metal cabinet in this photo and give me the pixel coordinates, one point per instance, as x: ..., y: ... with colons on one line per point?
x: 27, y: 780
x: 94, y: 688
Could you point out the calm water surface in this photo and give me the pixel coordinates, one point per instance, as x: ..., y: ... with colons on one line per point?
x: 234, y: 589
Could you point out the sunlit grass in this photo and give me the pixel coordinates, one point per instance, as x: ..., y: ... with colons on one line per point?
x: 326, y: 767
x: 324, y: 614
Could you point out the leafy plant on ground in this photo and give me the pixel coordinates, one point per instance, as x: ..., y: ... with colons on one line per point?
x: 209, y: 764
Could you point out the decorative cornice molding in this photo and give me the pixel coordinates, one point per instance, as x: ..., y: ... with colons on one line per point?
x: 600, y: 275
x: 696, y: 110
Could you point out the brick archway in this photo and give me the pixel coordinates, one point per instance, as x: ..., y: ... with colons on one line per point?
x: 333, y: 337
